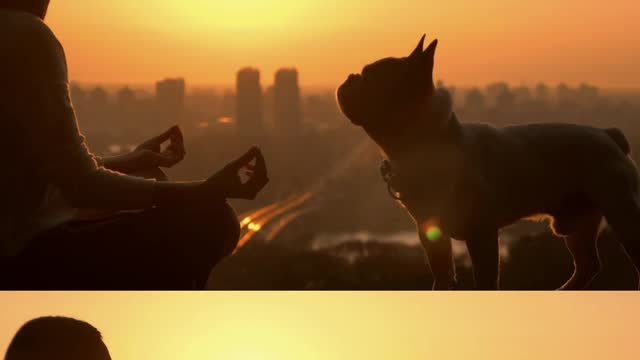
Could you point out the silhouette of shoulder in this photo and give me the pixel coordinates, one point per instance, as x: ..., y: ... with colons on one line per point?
x: 34, y: 45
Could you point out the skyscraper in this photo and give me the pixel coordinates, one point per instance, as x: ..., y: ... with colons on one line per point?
x: 249, y: 102
x: 170, y: 95
x: 286, y: 101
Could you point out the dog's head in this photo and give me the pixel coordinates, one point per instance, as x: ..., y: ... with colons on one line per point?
x: 389, y: 91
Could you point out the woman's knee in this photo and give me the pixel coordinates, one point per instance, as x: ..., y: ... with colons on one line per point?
x: 229, y: 226
x: 216, y: 227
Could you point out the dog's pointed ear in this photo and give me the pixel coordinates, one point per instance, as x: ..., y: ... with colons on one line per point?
x: 428, y: 56
x: 418, y: 50
x: 431, y: 49
x: 421, y: 66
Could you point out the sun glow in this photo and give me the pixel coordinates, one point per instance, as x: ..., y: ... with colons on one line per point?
x: 128, y: 41
x: 342, y: 325
x: 238, y: 15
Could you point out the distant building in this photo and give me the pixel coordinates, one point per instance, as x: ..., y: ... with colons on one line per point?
x: 475, y: 101
x: 125, y: 98
x: 268, y: 106
x: 249, y: 102
x: 205, y: 103
x: 228, y: 104
x: 98, y: 98
x: 542, y: 92
x: 286, y: 101
x: 78, y: 95
x: 170, y: 98
x: 321, y: 113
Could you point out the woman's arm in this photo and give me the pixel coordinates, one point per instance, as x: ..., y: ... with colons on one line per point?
x: 60, y: 155
x: 149, y: 154
x: 124, y: 163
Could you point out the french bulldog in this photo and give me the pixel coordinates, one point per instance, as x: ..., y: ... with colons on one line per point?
x: 466, y: 181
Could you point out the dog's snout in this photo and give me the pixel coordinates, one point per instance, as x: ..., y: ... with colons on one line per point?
x: 352, y: 81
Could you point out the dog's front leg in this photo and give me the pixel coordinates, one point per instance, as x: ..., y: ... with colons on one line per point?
x: 440, y: 260
x: 484, y: 250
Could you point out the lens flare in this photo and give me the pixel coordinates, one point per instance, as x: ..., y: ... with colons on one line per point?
x: 431, y: 229
x: 433, y: 233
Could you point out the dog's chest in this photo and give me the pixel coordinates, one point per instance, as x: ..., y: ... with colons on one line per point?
x: 450, y: 185
x: 442, y: 189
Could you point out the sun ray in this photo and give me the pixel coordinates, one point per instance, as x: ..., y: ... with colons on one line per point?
x: 285, y: 221
x: 247, y: 217
x: 254, y: 226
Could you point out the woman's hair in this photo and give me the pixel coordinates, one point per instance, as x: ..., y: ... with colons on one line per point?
x: 57, y: 338
x: 35, y: 7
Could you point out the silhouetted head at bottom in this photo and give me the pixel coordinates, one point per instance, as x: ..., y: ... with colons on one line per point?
x: 57, y: 338
x: 35, y: 7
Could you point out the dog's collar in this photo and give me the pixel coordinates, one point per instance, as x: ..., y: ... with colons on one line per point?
x: 389, y: 168
x: 388, y: 175
x: 439, y: 123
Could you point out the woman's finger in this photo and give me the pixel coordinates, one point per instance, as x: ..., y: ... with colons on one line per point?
x: 177, y: 134
x: 260, y: 167
x: 172, y: 131
x: 256, y: 184
x: 244, y: 159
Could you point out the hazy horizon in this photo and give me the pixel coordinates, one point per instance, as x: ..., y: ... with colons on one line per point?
x: 314, y: 88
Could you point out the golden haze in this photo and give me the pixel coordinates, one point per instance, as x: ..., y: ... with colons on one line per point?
x: 122, y: 41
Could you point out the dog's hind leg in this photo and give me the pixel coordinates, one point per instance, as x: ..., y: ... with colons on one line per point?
x: 620, y: 205
x: 582, y: 244
x: 624, y: 220
x: 485, y: 257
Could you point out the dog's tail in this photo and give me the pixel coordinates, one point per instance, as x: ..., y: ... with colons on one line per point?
x: 618, y: 137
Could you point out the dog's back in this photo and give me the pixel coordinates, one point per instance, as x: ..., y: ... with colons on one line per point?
x: 571, y: 142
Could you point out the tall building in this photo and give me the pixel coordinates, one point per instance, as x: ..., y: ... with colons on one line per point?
x: 170, y: 97
x: 286, y: 101
x: 249, y: 102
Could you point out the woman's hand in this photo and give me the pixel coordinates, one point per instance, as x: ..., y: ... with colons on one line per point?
x: 150, y: 155
x: 228, y: 183
x: 224, y: 184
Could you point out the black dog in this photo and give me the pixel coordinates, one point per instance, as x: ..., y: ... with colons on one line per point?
x: 466, y: 181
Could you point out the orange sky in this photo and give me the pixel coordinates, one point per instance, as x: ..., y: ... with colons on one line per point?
x: 345, y: 325
x: 123, y: 41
